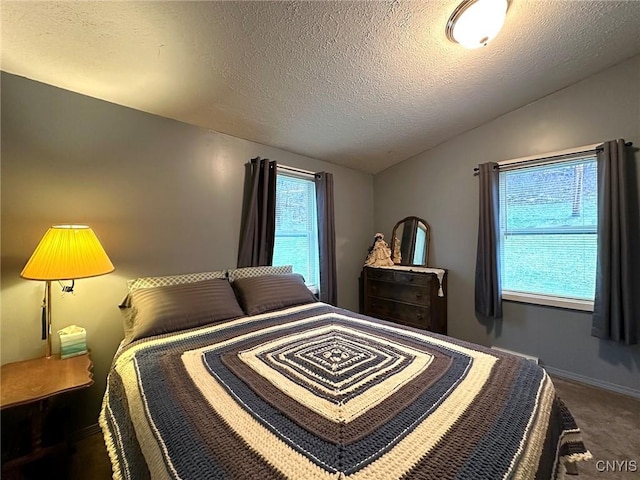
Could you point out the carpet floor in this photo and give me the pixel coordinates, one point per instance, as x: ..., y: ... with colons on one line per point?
x: 610, y: 423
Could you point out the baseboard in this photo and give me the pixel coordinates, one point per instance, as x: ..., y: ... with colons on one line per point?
x: 87, y: 432
x: 531, y: 358
x: 632, y: 392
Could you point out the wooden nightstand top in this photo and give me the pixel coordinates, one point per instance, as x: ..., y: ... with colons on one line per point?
x: 33, y: 380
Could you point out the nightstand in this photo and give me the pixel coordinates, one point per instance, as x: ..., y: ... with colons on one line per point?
x: 34, y: 383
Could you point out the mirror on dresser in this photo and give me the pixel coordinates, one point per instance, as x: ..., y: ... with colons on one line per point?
x: 410, y: 242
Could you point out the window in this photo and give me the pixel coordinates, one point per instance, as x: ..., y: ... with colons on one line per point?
x: 548, y: 233
x: 296, y: 241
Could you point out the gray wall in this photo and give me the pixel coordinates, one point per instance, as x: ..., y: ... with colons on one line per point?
x: 163, y: 197
x: 439, y: 186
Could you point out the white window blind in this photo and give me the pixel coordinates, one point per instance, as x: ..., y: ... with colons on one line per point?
x: 296, y: 238
x: 548, y: 228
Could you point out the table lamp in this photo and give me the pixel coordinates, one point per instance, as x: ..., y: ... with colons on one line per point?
x: 66, y: 252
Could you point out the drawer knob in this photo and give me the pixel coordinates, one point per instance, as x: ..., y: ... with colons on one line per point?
x: 419, y: 316
x: 418, y: 296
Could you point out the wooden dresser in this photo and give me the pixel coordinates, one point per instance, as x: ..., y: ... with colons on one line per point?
x: 406, y: 297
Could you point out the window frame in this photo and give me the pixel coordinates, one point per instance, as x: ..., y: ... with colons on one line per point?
x: 548, y: 301
x: 300, y: 175
x: 567, y: 156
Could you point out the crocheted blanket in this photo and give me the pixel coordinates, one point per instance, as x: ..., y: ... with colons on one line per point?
x: 316, y: 392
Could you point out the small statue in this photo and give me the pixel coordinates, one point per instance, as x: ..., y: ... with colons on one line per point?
x: 379, y: 253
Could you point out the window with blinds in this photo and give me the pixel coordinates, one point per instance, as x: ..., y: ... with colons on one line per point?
x: 548, y: 228
x: 296, y: 241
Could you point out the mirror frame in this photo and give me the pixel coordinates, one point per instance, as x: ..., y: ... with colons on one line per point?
x: 393, y: 241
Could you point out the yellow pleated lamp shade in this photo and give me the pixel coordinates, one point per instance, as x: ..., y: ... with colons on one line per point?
x: 67, y: 252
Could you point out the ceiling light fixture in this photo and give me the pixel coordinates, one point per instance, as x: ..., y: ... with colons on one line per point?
x: 476, y: 22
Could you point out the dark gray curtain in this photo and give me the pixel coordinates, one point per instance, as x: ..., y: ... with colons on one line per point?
x: 488, y: 296
x: 326, y: 238
x: 257, y: 233
x: 615, y: 309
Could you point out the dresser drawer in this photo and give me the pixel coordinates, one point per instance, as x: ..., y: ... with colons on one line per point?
x: 406, y: 278
x: 414, y: 315
x: 405, y: 297
x: 408, y: 293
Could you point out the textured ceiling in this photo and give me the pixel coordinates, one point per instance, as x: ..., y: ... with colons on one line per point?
x: 361, y: 84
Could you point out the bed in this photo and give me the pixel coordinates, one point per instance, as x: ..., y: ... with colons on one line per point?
x: 256, y: 379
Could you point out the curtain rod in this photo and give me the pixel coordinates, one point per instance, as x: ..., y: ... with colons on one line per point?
x: 559, y: 154
x: 296, y: 170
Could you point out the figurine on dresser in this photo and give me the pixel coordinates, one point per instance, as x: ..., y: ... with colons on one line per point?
x: 379, y: 253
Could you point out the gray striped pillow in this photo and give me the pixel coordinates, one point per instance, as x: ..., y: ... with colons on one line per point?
x: 271, y: 292
x: 166, y: 309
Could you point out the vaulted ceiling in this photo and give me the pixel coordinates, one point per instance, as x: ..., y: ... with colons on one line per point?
x: 363, y: 84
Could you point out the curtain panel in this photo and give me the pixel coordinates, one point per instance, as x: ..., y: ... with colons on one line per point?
x: 257, y: 233
x: 488, y: 295
x: 326, y: 238
x: 616, y: 305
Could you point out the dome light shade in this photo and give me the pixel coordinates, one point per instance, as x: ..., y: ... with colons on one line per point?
x: 476, y: 22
